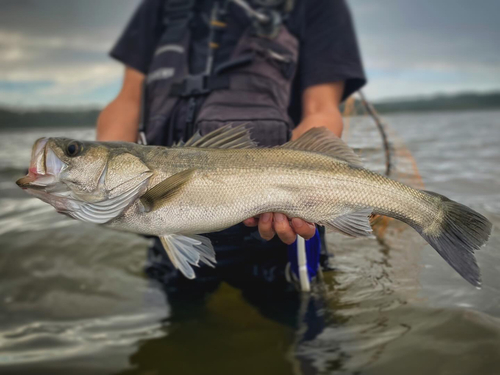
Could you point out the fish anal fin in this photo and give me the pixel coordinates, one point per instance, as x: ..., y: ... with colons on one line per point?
x: 354, y: 224
x: 166, y: 189
x: 227, y: 137
x: 187, y: 251
x: 323, y: 141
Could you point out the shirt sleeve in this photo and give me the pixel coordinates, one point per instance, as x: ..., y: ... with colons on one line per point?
x: 137, y: 44
x: 329, y: 48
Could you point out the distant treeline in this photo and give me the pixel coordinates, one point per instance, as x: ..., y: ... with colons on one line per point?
x: 10, y: 118
x: 442, y: 103
x: 47, y: 118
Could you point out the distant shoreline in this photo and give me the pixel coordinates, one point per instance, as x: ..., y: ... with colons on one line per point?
x: 17, y: 119
x: 10, y: 119
x: 460, y: 102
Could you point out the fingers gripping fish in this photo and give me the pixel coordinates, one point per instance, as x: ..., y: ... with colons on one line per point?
x: 215, y: 181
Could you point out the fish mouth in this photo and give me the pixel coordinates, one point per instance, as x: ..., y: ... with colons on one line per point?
x: 44, y: 169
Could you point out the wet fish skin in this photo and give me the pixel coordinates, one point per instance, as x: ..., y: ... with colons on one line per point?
x: 223, y: 191
x: 316, y: 178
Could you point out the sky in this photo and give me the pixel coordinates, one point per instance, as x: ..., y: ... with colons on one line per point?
x: 55, y: 52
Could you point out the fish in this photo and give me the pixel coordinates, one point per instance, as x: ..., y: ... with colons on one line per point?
x: 217, y: 180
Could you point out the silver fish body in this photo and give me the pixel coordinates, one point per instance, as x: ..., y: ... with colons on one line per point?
x: 221, y: 179
x: 229, y: 186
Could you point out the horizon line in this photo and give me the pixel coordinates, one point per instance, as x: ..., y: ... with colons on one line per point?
x: 386, y: 100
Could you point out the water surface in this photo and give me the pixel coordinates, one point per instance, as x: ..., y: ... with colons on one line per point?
x: 74, y: 299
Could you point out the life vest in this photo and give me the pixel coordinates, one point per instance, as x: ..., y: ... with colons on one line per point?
x: 253, y: 86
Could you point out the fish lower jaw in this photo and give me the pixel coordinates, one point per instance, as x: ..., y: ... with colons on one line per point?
x: 35, y: 181
x: 44, y: 170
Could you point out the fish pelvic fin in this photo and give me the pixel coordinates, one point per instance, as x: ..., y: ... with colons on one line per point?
x: 456, y: 234
x: 323, y: 141
x: 187, y: 251
x: 166, y: 189
x: 354, y: 223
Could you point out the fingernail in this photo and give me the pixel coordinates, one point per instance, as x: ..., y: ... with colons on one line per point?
x: 311, y: 225
x: 266, y: 217
x: 279, y: 218
x: 298, y: 223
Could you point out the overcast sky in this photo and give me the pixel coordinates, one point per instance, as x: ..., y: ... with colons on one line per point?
x: 54, y: 52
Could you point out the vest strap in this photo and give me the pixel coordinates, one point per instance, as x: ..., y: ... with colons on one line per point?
x: 176, y: 17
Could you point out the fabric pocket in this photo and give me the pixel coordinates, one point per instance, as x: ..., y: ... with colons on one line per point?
x: 266, y: 124
x: 260, y: 72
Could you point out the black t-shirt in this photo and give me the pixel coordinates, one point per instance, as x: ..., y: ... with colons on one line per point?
x: 328, y: 48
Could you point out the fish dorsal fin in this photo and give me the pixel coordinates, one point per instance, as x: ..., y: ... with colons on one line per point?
x: 190, y: 141
x: 323, y: 141
x: 225, y: 137
x: 161, y: 192
x: 180, y: 144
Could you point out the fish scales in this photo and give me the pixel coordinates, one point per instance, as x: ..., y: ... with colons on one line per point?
x: 224, y: 192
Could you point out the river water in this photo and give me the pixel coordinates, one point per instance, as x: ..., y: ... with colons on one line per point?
x: 74, y: 298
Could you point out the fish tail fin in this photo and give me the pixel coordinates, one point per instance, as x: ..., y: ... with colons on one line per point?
x: 456, y: 234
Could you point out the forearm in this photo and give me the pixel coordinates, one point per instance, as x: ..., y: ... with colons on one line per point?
x: 119, y: 121
x: 330, y: 119
x: 320, y: 107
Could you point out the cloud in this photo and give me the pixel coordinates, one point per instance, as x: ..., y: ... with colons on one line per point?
x: 59, y: 85
x: 54, y: 52
x: 94, y: 21
x: 423, y: 47
x: 72, y: 66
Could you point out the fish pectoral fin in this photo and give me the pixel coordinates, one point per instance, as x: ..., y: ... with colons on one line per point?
x: 354, y: 223
x: 161, y: 192
x: 323, y: 141
x: 185, y: 251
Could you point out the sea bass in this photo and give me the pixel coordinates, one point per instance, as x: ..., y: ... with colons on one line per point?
x: 218, y: 180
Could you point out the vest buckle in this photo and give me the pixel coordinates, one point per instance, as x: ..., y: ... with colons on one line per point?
x: 195, y: 85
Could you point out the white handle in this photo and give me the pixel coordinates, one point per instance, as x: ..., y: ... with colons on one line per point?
x: 305, y: 286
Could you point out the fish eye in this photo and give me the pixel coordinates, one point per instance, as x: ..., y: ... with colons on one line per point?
x: 73, y: 149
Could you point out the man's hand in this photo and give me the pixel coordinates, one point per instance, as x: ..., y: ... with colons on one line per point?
x: 271, y: 224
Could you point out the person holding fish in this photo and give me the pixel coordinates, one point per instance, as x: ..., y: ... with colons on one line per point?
x: 280, y: 66
x: 215, y: 173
